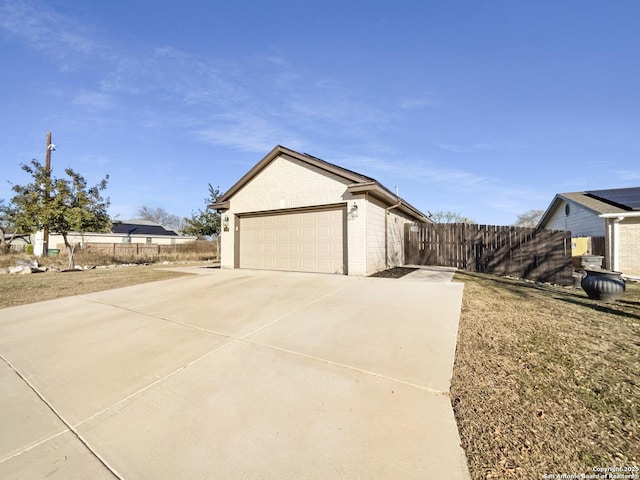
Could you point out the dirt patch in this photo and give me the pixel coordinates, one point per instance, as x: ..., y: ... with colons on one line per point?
x: 546, y: 380
x: 395, y: 272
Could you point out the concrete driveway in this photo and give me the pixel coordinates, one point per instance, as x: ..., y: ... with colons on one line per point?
x: 233, y: 375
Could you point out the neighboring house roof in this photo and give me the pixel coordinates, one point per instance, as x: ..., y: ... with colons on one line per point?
x: 142, y: 227
x: 358, y: 183
x: 615, y: 202
x: 625, y: 198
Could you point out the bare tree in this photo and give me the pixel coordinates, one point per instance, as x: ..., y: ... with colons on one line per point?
x: 529, y: 218
x: 161, y: 216
x: 450, y: 217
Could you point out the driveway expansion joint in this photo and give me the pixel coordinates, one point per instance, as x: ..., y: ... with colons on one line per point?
x: 350, y: 367
x: 70, y: 428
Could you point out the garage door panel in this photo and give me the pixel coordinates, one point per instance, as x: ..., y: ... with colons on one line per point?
x: 310, y: 241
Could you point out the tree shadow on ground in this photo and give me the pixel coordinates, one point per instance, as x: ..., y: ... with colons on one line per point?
x: 396, y: 272
x: 526, y: 289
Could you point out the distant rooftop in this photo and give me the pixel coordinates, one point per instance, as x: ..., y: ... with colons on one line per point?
x: 624, y: 198
x: 142, y: 227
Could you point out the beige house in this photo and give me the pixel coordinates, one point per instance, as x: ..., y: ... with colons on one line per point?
x: 613, y: 214
x: 128, y: 231
x: 295, y: 212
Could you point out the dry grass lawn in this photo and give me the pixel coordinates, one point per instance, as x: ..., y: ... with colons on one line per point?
x: 37, y: 287
x: 546, y: 381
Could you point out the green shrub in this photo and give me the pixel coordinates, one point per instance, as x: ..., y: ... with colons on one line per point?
x: 28, y: 249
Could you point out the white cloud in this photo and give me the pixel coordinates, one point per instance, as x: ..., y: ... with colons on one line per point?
x: 95, y: 100
x: 420, y: 171
x: 247, y: 132
x: 247, y: 103
x: 454, y: 148
x: 428, y: 99
x: 624, y: 178
x: 476, y: 147
x: 61, y: 38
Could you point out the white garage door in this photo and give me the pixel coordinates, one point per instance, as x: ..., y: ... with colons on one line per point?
x: 309, y: 241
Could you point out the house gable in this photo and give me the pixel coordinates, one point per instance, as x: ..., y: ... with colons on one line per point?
x: 283, y: 152
x: 358, y: 185
x: 286, y: 182
x: 274, y: 218
x: 565, y: 214
x: 613, y: 214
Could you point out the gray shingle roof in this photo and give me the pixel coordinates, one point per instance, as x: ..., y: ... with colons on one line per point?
x: 600, y: 205
x: 592, y: 203
x: 141, y: 227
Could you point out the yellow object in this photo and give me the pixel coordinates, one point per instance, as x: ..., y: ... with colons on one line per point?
x: 580, y: 246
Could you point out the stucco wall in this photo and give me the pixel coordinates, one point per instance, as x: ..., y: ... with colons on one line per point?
x: 580, y: 221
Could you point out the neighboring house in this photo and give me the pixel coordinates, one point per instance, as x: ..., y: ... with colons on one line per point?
x: 129, y: 231
x: 613, y: 214
x: 19, y: 243
x: 295, y: 212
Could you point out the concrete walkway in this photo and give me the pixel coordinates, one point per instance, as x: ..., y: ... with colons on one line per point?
x: 430, y: 273
x: 233, y: 374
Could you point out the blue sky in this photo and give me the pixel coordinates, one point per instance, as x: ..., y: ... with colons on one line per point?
x: 486, y: 108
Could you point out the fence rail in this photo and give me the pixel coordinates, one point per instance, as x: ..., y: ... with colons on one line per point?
x: 138, y: 250
x: 540, y: 255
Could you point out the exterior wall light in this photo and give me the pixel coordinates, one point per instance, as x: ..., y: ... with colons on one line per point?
x: 353, y: 213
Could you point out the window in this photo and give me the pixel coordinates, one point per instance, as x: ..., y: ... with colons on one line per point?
x: 126, y: 239
x: 149, y: 239
x: 567, y: 209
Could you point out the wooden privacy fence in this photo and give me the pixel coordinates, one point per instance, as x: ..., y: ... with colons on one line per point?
x: 540, y: 255
x: 597, y: 246
x: 128, y: 250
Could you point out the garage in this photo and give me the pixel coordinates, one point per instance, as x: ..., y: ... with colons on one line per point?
x: 295, y: 212
x: 310, y: 240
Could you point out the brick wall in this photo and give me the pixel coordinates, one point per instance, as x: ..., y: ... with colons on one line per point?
x: 376, y: 237
x: 288, y: 183
x: 629, y: 246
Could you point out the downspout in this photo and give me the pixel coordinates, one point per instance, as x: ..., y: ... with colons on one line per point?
x: 386, y: 230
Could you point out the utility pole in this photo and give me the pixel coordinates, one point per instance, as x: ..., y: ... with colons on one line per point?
x: 47, y: 191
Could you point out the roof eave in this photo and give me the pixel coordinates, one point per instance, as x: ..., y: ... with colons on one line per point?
x: 548, y: 212
x: 556, y: 203
x: 220, y: 206
x: 620, y: 215
x: 280, y: 150
x: 379, y: 191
